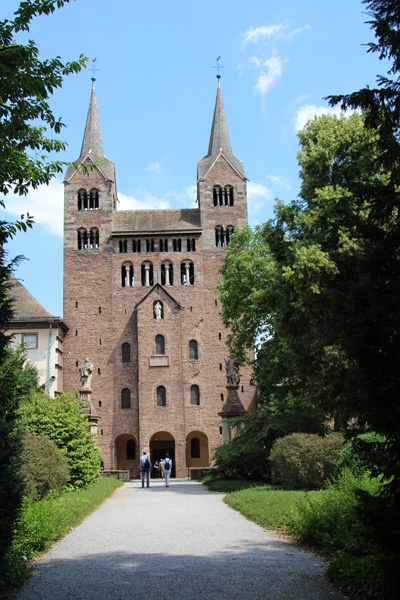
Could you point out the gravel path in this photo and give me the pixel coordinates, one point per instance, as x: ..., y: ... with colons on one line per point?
x: 180, y: 542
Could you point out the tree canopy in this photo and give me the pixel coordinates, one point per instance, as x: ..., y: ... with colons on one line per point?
x: 26, y: 149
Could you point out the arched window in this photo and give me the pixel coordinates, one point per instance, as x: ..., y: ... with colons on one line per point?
x: 163, y: 244
x: 217, y: 195
x: 195, y: 448
x: 187, y: 273
x: 94, y: 199
x: 229, y: 231
x: 130, y: 450
x: 126, y: 353
x: 82, y: 200
x: 126, y: 398
x: 219, y: 237
x: 94, y: 238
x: 147, y: 274
x: 160, y: 344
x: 193, y: 350
x: 136, y: 246
x: 123, y: 246
x: 228, y: 195
x: 195, y: 395
x: 82, y: 239
x: 167, y: 273
x: 127, y: 275
x: 161, y: 396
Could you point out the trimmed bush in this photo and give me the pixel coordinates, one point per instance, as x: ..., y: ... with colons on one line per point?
x: 44, y: 466
x: 305, y: 461
x: 62, y: 420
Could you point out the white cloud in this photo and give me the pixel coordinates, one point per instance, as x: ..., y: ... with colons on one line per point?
x: 145, y: 202
x: 309, y: 111
x: 256, y: 34
x: 154, y: 167
x: 299, y: 30
x: 46, y: 204
x: 272, y: 71
x: 266, y: 59
x: 258, y: 195
x: 279, y: 182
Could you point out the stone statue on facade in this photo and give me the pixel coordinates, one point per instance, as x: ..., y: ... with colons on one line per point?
x: 232, y: 371
x: 158, y: 310
x: 86, y: 373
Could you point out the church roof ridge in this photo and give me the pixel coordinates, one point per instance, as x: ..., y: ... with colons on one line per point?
x: 157, y: 221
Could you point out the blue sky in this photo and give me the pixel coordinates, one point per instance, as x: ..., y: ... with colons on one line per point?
x: 156, y: 89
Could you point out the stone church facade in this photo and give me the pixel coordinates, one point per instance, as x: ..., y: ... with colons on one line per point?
x: 140, y: 301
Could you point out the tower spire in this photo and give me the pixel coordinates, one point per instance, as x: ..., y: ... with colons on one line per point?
x: 219, y: 143
x: 92, y: 140
x: 219, y: 137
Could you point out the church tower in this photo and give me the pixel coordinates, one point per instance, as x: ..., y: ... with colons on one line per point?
x: 140, y: 302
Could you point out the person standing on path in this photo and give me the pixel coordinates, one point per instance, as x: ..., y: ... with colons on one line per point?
x: 144, y: 464
x: 167, y: 469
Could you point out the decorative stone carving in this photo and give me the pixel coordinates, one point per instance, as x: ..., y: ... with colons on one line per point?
x: 86, y: 373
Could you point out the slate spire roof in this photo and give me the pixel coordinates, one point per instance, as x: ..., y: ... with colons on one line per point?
x: 92, y: 140
x: 92, y: 150
x: 220, y: 143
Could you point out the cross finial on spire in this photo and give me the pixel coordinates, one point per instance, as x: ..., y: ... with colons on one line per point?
x: 93, y: 70
x: 218, y: 67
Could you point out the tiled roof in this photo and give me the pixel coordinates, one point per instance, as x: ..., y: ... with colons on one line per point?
x: 156, y: 221
x: 25, y: 307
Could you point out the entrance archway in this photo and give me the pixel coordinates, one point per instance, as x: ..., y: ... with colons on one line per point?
x: 161, y: 443
x: 126, y: 457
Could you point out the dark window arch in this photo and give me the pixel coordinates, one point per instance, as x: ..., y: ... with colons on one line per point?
x: 127, y: 275
x: 136, y: 246
x: 195, y: 448
x: 161, y: 396
x: 82, y: 239
x: 195, y: 395
x: 229, y: 199
x: 147, y: 267
x: 150, y: 245
x: 167, y: 273
x: 130, y: 450
x: 94, y: 238
x: 219, y: 237
x: 160, y: 344
x: 193, y: 350
x: 163, y: 243
x: 217, y: 195
x: 126, y: 353
x: 229, y: 231
x: 94, y: 199
x: 82, y: 200
x: 187, y: 273
x: 126, y: 398
x: 123, y: 246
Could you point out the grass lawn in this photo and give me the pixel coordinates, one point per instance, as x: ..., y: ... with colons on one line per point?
x: 270, y: 508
